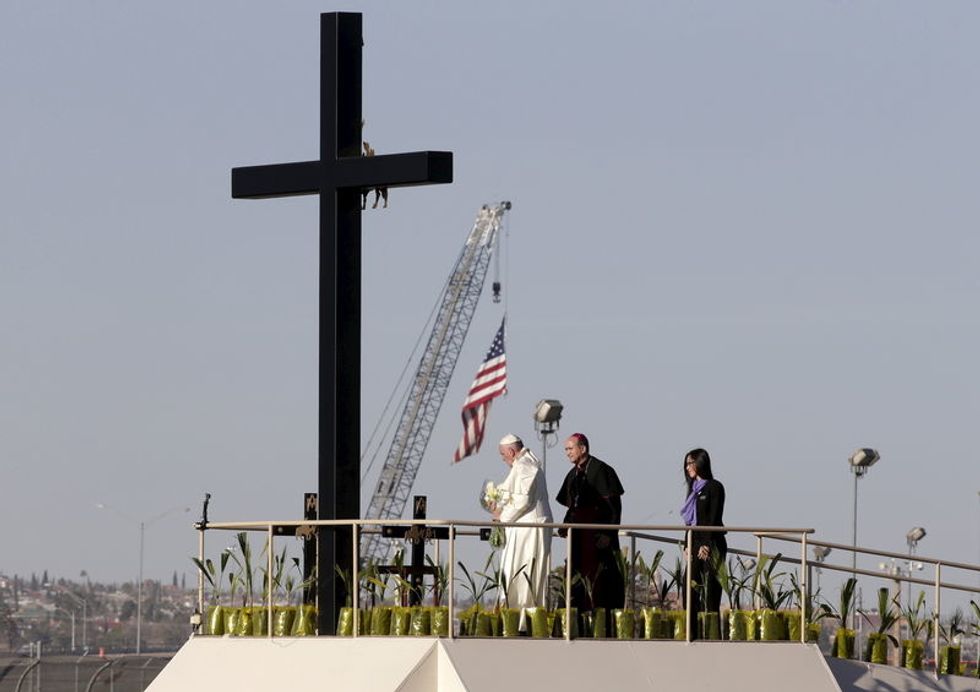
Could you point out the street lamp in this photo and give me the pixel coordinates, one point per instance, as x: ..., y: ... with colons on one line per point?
x: 915, y: 534
x: 820, y: 554
x: 79, y: 599
x: 139, y: 580
x: 860, y: 461
x: 547, y: 417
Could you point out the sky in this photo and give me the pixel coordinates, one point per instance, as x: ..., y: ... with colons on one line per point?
x: 748, y: 227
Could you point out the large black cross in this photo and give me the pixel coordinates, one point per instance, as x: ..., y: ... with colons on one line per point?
x: 339, y: 177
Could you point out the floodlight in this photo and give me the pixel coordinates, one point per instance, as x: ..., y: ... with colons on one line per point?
x: 548, y: 411
x: 864, y: 458
x: 915, y: 535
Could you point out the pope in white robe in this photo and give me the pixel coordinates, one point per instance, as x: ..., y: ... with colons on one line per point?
x: 526, y: 493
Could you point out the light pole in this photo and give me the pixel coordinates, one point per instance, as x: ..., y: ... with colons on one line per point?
x: 860, y: 461
x: 547, y: 417
x: 79, y: 599
x: 139, y: 579
x: 915, y: 534
x: 820, y: 554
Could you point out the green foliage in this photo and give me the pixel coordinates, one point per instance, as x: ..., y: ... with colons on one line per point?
x: 478, y: 591
x: 846, y: 604
x: 557, y: 585
x: 952, y: 627
x: 889, y: 613
x: 440, y: 581
x: 916, y: 619
x: 768, y: 585
x: 733, y: 585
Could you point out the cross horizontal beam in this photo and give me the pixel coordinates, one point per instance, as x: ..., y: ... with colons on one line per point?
x: 311, y: 177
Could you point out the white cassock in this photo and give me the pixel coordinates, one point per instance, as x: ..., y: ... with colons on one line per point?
x: 527, y: 489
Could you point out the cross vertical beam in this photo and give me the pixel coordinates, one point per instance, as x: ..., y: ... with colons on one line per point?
x: 339, y: 177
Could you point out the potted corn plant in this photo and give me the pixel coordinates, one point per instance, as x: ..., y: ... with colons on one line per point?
x: 843, y: 646
x: 214, y: 622
x: 440, y: 612
x: 470, y: 622
x: 889, y: 613
x: 653, y: 616
x: 768, y: 586
x: 556, y: 597
x: 812, y: 615
x: 913, y: 648
x: 975, y: 626
x: 740, y: 622
x: 624, y: 619
x: 949, y: 653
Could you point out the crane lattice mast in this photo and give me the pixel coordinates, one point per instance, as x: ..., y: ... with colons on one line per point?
x: 432, y: 377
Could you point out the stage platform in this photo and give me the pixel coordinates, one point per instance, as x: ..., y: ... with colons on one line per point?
x: 407, y: 664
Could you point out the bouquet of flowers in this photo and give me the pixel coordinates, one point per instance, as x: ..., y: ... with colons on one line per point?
x: 492, y: 499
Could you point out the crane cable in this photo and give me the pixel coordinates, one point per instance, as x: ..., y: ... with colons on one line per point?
x: 411, y: 359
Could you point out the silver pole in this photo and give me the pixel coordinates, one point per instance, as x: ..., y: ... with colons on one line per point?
x: 268, y: 580
x: 568, y: 585
x: 687, y: 589
x: 804, y: 587
x: 452, y: 574
x: 935, y: 620
x: 355, y: 578
x: 139, y: 596
x: 200, y: 578
x: 73, y: 631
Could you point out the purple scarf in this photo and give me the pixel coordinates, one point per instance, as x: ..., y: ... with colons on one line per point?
x: 690, y: 509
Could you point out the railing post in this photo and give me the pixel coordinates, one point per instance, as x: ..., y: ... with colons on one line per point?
x: 268, y: 580
x: 758, y: 561
x: 355, y: 578
x: 687, y: 589
x: 935, y: 619
x: 452, y: 581
x: 632, y: 573
x: 200, y: 581
x: 568, y: 584
x: 804, y: 587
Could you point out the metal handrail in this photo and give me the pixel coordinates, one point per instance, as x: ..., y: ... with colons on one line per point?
x: 356, y: 525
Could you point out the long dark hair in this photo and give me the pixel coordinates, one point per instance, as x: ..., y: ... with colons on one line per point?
x: 702, y: 463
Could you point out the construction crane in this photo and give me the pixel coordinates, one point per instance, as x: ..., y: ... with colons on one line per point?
x: 432, y: 377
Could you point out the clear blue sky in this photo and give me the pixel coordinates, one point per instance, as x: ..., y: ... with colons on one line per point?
x: 745, y: 226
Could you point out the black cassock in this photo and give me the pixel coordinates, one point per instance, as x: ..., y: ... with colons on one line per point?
x: 592, y: 496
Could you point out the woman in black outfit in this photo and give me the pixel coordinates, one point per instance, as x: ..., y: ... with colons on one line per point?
x: 704, y: 506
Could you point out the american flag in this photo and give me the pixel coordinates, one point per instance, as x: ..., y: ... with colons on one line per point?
x: 490, y: 382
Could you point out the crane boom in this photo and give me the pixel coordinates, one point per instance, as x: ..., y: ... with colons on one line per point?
x: 432, y: 377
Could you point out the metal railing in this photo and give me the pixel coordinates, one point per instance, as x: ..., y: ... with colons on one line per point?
x: 357, y: 528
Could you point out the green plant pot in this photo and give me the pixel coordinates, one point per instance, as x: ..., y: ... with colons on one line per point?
x: 652, y: 623
x: 510, y: 621
x: 912, y: 653
x: 496, y: 624
x: 843, y: 646
x: 401, y: 621
x: 283, y: 618
x: 345, y: 622
x: 231, y: 615
x: 877, y: 648
x: 440, y: 621
x: 791, y: 621
x: 709, y: 626
x: 484, y: 626
x: 421, y: 622
x: 740, y: 625
x: 214, y: 623
x: 560, y: 622
x: 949, y: 660
x: 813, y: 632
x: 381, y: 621
x: 260, y: 621
x: 679, y: 624
x: 542, y: 622
x: 305, y: 623
x: 770, y: 625
x: 624, y: 623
